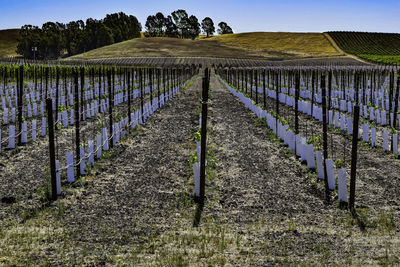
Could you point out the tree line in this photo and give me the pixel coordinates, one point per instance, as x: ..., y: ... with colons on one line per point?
x: 180, y: 25
x: 54, y: 39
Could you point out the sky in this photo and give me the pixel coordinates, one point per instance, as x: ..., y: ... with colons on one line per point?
x: 241, y: 15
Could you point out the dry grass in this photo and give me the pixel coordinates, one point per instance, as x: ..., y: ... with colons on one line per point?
x: 8, y: 42
x: 244, y: 45
x: 299, y: 44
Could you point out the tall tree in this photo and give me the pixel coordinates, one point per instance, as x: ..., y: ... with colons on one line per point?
x: 75, y: 37
x: 52, y: 39
x: 170, y: 28
x: 151, y: 26
x: 104, y: 36
x: 224, y: 28
x: 30, y: 36
x: 194, y: 27
x: 208, y: 26
x: 155, y: 25
x: 181, y: 19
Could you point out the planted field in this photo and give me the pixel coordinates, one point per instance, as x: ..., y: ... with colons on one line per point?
x: 375, y: 47
x: 277, y: 179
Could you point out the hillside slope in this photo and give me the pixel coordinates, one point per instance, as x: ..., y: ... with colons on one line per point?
x: 8, y: 42
x: 374, y: 47
x: 259, y: 45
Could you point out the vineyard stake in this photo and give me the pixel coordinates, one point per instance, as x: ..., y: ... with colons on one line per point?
x: 206, y: 84
x: 77, y: 140
x: 20, y: 92
x: 296, y: 103
x: 141, y: 91
x: 82, y: 102
x: 129, y: 99
x: 354, y: 157
x: 49, y: 104
x: 110, y: 103
x: 57, y: 93
x: 325, y: 136
x: 277, y: 101
x: 264, y: 93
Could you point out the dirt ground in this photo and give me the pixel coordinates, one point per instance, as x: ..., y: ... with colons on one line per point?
x: 263, y: 207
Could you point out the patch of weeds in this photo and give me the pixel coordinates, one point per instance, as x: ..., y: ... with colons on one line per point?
x: 291, y: 225
x: 107, y: 154
x: 44, y: 191
x: 260, y: 122
x: 184, y: 200
x: 383, y: 221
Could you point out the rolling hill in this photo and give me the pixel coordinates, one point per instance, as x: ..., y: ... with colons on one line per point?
x: 8, y: 42
x: 258, y: 45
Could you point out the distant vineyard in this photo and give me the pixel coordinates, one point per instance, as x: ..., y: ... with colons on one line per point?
x: 375, y: 47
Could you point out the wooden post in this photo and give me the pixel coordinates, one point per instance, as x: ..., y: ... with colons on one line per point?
x: 325, y: 135
x: 20, y: 104
x: 77, y: 117
x: 354, y: 157
x: 158, y: 86
x: 256, y: 82
x: 277, y: 100
x: 141, y: 90
x: 312, y: 92
x: 396, y: 102
x: 391, y: 86
x: 110, y: 103
x: 151, y: 86
x: 296, y: 103
x: 206, y: 84
x: 129, y: 99
x: 82, y: 102
x: 47, y: 82
x: 50, y: 123
x: 264, y: 93
x: 251, y: 84
x: 57, y: 94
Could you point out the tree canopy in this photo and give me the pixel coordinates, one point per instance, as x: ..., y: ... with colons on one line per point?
x: 208, y: 26
x: 224, y: 28
x: 55, y: 39
x: 181, y: 25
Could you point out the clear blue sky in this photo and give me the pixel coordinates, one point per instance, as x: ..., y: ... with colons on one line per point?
x: 242, y: 16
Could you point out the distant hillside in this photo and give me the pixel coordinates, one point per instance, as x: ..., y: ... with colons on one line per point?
x: 278, y: 43
x: 8, y: 42
x: 374, y: 47
x: 258, y: 45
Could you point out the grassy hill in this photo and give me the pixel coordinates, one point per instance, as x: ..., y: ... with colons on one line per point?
x: 258, y: 45
x: 280, y: 43
x: 374, y: 47
x: 8, y: 42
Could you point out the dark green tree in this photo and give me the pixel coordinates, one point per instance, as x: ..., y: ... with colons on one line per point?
x: 151, y: 26
x: 52, y: 40
x: 75, y: 37
x: 208, y: 27
x: 30, y: 36
x: 170, y: 28
x: 194, y: 27
x: 224, y: 28
x: 104, y: 36
x: 182, y: 23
